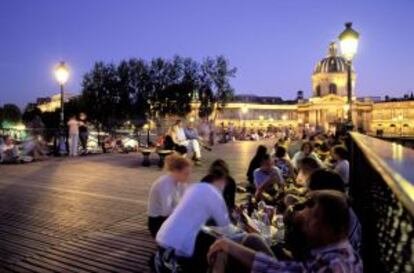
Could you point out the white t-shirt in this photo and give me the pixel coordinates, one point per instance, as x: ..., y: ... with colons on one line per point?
x: 342, y: 168
x: 164, y: 195
x: 200, y: 203
x: 179, y: 134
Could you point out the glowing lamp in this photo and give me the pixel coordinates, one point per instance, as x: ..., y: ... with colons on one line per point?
x: 62, y: 73
x: 348, y: 41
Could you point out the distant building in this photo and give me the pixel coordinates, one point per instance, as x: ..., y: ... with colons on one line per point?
x: 50, y: 104
x: 326, y: 108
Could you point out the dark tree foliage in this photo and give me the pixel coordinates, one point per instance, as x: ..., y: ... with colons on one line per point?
x: 11, y: 113
x: 138, y: 90
x: 30, y: 112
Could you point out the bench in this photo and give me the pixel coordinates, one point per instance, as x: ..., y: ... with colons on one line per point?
x: 146, y: 160
x: 162, y: 154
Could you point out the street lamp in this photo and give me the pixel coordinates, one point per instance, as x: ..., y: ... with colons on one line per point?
x: 349, y: 44
x: 62, y: 76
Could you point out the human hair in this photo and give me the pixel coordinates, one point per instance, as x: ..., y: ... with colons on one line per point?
x: 340, y: 151
x: 175, y: 162
x: 265, y: 158
x: 280, y: 152
x: 326, y: 180
x: 214, y: 175
x: 219, y: 164
x: 306, y: 143
x: 334, y: 208
x: 178, y: 121
x: 308, y: 163
x: 261, y: 151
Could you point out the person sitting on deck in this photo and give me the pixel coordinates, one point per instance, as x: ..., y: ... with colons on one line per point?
x: 255, y: 163
x: 167, y: 190
x: 229, y: 192
x: 178, y: 135
x: 9, y: 152
x: 266, y: 177
x: 328, y: 180
x: 340, y: 155
x: 307, y: 166
x: 322, y: 221
x: 284, y: 164
x: 306, y: 150
x: 178, y: 235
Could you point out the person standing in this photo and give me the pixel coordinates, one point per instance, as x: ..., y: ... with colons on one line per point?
x: 83, y: 133
x: 73, y: 125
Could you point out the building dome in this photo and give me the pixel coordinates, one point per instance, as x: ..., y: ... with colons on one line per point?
x: 330, y: 76
x: 332, y: 63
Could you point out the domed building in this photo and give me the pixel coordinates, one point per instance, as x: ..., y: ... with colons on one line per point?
x: 330, y: 75
x: 327, y: 108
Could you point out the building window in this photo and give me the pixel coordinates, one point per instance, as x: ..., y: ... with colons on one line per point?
x: 332, y: 88
x: 318, y: 91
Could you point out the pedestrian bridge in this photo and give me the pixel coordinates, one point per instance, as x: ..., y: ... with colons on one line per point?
x: 88, y: 214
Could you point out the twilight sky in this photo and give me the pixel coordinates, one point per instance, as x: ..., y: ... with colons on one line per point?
x: 273, y: 43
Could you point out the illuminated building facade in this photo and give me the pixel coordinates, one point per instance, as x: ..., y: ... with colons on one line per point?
x: 50, y: 104
x: 326, y: 109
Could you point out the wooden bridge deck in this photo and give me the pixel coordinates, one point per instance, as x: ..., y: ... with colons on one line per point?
x: 85, y: 214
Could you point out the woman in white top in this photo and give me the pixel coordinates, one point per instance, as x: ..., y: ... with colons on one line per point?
x: 340, y: 155
x: 306, y: 150
x: 166, y: 191
x: 178, y: 234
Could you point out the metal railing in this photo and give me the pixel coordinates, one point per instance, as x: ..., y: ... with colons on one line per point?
x: 382, y: 189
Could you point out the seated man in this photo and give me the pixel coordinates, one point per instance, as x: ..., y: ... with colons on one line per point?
x: 322, y: 221
x: 267, y: 176
x: 177, y: 237
x: 9, y: 152
x: 178, y: 135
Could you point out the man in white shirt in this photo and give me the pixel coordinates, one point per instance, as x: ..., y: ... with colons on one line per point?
x: 167, y: 190
x: 200, y: 203
x: 179, y: 137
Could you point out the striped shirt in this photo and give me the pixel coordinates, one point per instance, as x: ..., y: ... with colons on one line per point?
x: 338, y: 258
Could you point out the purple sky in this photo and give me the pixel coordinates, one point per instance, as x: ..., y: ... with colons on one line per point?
x: 273, y: 43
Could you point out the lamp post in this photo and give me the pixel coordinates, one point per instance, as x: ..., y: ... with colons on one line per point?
x: 62, y: 76
x: 349, y: 44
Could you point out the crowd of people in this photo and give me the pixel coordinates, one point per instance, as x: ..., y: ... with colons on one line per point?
x: 34, y: 147
x: 293, y: 215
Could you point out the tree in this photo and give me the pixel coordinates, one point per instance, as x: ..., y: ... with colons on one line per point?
x: 11, y: 113
x: 215, y: 88
x: 139, y: 90
x: 103, y: 97
x: 30, y: 112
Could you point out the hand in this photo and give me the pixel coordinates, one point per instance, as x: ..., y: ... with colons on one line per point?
x: 222, y: 245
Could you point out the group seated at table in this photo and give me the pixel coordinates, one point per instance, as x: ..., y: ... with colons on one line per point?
x: 284, y: 226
